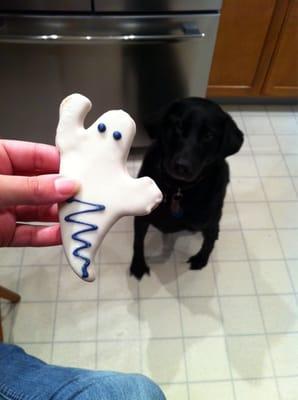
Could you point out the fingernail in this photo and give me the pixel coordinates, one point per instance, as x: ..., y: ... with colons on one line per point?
x: 66, y: 186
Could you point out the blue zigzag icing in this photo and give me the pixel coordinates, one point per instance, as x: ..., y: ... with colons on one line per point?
x: 89, y: 228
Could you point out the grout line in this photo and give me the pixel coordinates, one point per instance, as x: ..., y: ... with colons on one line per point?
x: 182, y: 327
x: 223, y: 326
x: 165, y: 338
x: 156, y: 298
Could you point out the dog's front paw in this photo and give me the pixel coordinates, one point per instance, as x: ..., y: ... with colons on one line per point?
x: 139, y: 268
x: 198, y: 261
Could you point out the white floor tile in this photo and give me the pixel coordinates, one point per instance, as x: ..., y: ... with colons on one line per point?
x: 284, y: 350
x: 75, y: 321
x: 288, y: 144
x: 34, y: 322
x: 285, y: 214
x: 271, y: 277
x: 262, y: 244
x: 201, y: 354
x: 229, y: 219
x: 292, y: 162
x: 245, y: 148
x: 280, y: 313
x: 279, y: 189
x: 258, y: 124
x: 42, y: 351
x: 259, y: 389
x: 9, y: 277
x: 175, y: 391
x: 195, y: 283
x: 42, y: 255
x: 229, y: 247
x: 11, y: 256
x: 71, y: 287
x: 116, y: 248
x: 154, y: 245
x: 201, y: 317
x: 233, y: 278
x: 116, y: 283
x: 249, y: 357
x: 39, y: 283
x: 7, y: 317
x: 254, y: 216
x: 288, y: 388
x: 289, y: 240
x: 241, y: 315
x: 247, y: 189
x: 271, y: 165
x: 293, y: 270
x: 118, y: 320
x: 295, y: 182
x: 119, y: 356
x: 75, y: 355
x: 163, y: 360
x: 162, y: 281
x: 242, y: 166
x: 239, y: 122
x: 211, y: 391
x: 150, y: 314
x: 229, y: 195
x: 284, y: 125
x: 264, y: 144
x: 187, y: 245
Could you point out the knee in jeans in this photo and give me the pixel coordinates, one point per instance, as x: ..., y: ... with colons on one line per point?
x: 146, y: 388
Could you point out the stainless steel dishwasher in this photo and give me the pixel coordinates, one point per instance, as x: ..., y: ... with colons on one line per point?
x: 134, y: 55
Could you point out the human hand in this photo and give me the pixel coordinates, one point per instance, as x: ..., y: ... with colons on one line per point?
x: 30, y: 189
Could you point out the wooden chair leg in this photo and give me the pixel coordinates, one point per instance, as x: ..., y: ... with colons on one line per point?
x: 9, y: 295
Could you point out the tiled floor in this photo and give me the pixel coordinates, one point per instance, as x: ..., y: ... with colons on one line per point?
x: 229, y: 332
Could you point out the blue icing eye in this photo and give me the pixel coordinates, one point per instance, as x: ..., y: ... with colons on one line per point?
x: 117, y: 135
x: 101, y: 127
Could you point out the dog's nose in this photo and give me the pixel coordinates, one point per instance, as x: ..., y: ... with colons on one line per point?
x: 182, y: 167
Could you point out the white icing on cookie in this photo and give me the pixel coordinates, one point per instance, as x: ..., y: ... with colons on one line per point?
x: 96, y: 157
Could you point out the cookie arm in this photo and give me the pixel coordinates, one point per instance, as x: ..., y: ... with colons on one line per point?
x: 142, y: 196
x: 72, y: 113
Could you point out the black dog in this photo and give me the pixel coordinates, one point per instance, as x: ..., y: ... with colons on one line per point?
x: 187, y: 161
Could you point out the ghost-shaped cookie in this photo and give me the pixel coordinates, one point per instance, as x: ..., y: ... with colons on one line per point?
x: 96, y: 157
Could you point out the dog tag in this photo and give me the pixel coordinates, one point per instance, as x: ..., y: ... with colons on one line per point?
x: 176, y: 209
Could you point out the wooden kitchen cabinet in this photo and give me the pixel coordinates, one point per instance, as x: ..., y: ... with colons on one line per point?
x: 282, y: 78
x: 256, y: 49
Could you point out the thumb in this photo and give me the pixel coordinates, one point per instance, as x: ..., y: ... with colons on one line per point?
x: 42, y: 189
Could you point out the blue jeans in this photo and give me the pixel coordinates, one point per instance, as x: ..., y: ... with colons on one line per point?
x: 23, y: 377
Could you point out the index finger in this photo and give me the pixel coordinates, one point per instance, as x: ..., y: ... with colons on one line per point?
x: 29, y: 158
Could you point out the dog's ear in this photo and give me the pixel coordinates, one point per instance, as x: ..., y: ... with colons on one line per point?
x: 232, y: 137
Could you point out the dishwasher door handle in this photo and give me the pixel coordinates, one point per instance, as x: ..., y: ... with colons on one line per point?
x: 187, y: 32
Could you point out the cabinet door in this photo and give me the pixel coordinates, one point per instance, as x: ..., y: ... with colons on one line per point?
x: 282, y: 78
x: 242, y: 34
